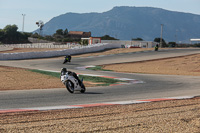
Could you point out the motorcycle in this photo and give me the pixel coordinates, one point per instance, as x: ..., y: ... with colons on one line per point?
x: 156, y: 47
x: 67, y: 59
x: 72, y: 81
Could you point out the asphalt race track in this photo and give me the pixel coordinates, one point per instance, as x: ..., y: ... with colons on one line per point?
x: 153, y: 86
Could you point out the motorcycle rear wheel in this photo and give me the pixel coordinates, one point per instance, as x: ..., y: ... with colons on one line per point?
x: 70, y: 86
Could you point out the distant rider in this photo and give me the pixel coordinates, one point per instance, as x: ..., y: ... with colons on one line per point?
x: 67, y: 59
x: 156, y: 47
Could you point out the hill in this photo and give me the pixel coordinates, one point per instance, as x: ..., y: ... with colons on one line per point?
x: 126, y: 23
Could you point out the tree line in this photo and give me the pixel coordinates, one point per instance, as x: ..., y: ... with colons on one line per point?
x: 10, y: 35
x: 62, y: 36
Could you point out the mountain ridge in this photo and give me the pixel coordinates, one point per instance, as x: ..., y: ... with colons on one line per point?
x: 125, y: 23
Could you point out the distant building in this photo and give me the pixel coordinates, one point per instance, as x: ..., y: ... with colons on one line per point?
x: 79, y: 34
x: 195, y: 40
x: 92, y: 40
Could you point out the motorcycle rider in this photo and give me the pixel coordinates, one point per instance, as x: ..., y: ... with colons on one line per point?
x: 67, y: 58
x: 156, y: 47
x: 64, y: 72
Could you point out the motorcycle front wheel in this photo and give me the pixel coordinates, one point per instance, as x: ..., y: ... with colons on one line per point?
x: 70, y: 86
x: 83, y: 88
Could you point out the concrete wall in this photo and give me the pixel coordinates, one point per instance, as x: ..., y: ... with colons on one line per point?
x: 46, y: 54
x: 142, y: 44
x: 39, y: 45
x: 36, y: 40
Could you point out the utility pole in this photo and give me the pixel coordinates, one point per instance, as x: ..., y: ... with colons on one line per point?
x: 23, y: 22
x: 161, y: 35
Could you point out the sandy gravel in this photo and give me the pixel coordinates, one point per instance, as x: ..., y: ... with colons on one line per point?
x: 185, y: 65
x: 115, y: 51
x: 181, y: 116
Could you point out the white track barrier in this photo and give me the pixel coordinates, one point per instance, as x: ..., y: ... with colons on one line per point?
x: 57, y: 53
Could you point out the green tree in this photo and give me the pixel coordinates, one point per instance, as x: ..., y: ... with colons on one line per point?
x: 137, y: 39
x: 60, y: 32
x: 10, y: 29
x: 49, y: 38
x: 196, y: 45
x: 65, y: 33
x: 172, y: 44
x: 10, y: 35
x: 163, y: 42
x: 2, y: 35
x: 58, y: 36
x: 107, y: 37
x: 35, y: 35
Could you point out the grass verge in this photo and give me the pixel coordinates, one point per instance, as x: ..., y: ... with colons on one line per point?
x: 97, y: 68
x: 54, y: 74
x: 102, y: 81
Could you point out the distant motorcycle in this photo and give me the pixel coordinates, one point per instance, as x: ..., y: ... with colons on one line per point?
x: 72, y: 81
x: 67, y: 59
x: 156, y: 47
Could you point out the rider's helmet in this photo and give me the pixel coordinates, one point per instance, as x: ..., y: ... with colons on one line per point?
x: 63, y: 71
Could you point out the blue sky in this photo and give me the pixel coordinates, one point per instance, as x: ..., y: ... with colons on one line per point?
x: 11, y: 10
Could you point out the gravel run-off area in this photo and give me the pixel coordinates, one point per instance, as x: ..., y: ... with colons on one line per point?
x: 182, y: 116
